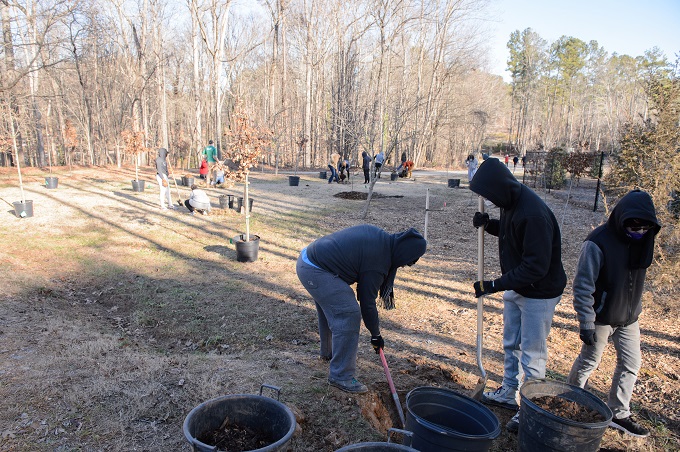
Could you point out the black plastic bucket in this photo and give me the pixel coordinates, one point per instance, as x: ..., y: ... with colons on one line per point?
x: 453, y: 183
x: 293, y: 181
x: 138, y: 185
x: 443, y: 420
x: 238, y: 203
x: 323, y: 175
x: 376, y: 447
x: 246, y: 251
x: 542, y: 431
x: 394, y: 176
x: 51, y: 182
x: 262, y: 414
x: 188, y: 181
x: 23, y: 209
x: 383, y: 447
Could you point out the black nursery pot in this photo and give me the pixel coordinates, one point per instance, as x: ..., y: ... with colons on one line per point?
x: 246, y: 251
x: 293, y: 181
x: 138, y: 185
x: 453, y: 183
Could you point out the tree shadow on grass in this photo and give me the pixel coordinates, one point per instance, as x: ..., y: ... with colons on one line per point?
x: 222, y: 250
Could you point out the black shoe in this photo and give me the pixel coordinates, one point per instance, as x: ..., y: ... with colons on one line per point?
x: 629, y: 427
x: 513, y: 425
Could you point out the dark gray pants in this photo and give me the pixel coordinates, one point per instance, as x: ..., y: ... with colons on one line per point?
x: 626, y: 341
x: 339, y: 318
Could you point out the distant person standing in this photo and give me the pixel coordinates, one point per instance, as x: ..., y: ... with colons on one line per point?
x: 610, y: 277
x: 507, y: 159
x: 203, y: 169
x: 209, y: 153
x: 379, y: 160
x: 162, y: 178
x: 471, y: 163
x: 524, y: 161
x: 515, y: 159
x: 366, y: 166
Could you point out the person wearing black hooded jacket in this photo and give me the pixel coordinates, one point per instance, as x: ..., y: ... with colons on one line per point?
x: 365, y: 255
x: 530, y: 251
x: 608, y: 286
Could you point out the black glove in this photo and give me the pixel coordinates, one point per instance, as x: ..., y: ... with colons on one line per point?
x: 480, y: 219
x: 377, y: 343
x: 587, y: 336
x: 483, y: 288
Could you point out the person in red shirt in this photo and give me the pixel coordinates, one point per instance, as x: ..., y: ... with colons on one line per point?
x: 203, y: 170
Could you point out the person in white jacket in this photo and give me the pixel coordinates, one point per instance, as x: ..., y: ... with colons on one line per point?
x: 198, y: 201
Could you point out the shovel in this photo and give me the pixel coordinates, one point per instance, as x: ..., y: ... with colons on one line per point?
x: 395, y: 396
x: 481, y: 383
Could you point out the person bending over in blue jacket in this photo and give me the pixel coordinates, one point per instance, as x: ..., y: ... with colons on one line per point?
x: 365, y: 255
x: 533, y: 279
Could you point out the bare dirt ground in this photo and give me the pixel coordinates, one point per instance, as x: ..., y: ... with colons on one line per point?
x: 117, y: 318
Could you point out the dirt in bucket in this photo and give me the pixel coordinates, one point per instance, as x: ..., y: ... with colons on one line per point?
x: 236, y: 438
x: 568, y: 410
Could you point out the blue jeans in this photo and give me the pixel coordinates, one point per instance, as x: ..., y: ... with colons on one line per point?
x: 339, y: 318
x: 526, y: 325
x: 334, y: 174
x: 626, y: 341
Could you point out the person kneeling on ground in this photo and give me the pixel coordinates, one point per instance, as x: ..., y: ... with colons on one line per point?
x: 329, y: 266
x: 219, y: 174
x: 198, y: 201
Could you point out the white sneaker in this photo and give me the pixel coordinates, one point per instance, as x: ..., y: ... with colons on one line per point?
x: 502, y: 397
x: 204, y: 212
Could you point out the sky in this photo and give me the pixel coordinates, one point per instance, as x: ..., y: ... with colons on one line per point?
x: 623, y: 26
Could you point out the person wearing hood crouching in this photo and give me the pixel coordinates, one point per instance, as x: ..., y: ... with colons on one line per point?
x: 533, y: 278
x: 162, y: 178
x: 365, y: 255
x: 198, y: 201
x: 608, y: 285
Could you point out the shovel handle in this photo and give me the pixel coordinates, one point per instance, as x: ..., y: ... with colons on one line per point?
x: 480, y: 300
x: 395, y: 396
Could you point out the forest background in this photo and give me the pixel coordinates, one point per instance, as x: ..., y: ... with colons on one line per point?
x: 324, y: 76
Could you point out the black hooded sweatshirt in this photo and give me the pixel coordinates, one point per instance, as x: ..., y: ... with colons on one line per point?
x: 529, y: 239
x: 162, y: 163
x: 370, y: 257
x: 610, y: 276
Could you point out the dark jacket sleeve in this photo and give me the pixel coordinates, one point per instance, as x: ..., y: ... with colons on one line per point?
x: 493, y: 227
x: 536, y: 236
x: 367, y: 291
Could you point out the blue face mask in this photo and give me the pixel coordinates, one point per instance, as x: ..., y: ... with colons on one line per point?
x: 636, y: 235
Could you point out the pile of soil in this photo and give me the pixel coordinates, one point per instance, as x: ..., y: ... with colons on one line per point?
x: 235, y: 438
x: 359, y: 195
x: 568, y: 410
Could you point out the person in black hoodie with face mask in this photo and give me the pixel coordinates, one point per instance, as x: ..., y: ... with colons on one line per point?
x: 530, y: 251
x: 608, y: 286
x: 365, y: 255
